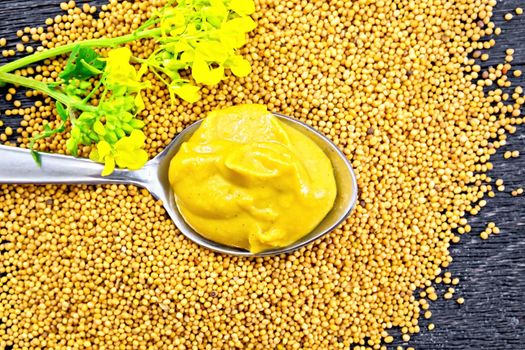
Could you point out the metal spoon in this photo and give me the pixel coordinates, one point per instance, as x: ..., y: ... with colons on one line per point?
x: 18, y: 167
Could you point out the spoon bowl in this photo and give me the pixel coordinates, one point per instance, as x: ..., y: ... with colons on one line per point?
x: 18, y: 167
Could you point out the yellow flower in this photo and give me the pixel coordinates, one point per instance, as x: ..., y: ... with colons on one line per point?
x: 127, y: 153
x: 121, y: 77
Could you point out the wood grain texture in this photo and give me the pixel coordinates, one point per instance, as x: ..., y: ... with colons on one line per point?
x: 492, y: 272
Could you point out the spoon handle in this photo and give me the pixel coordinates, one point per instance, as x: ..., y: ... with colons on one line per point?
x: 17, y: 166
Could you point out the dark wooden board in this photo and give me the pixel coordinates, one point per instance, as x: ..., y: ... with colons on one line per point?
x: 492, y: 272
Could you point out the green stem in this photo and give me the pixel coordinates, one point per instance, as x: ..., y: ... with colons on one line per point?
x: 57, y: 51
x: 150, y: 65
x: 93, y: 92
x: 43, y: 87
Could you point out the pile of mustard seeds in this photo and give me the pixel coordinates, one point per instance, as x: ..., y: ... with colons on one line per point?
x: 392, y: 82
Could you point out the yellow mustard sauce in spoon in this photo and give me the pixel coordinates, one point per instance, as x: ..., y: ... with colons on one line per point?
x: 247, y: 180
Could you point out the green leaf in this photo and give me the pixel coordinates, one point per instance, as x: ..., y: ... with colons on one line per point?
x: 61, y: 110
x: 37, y: 158
x: 83, y: 63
